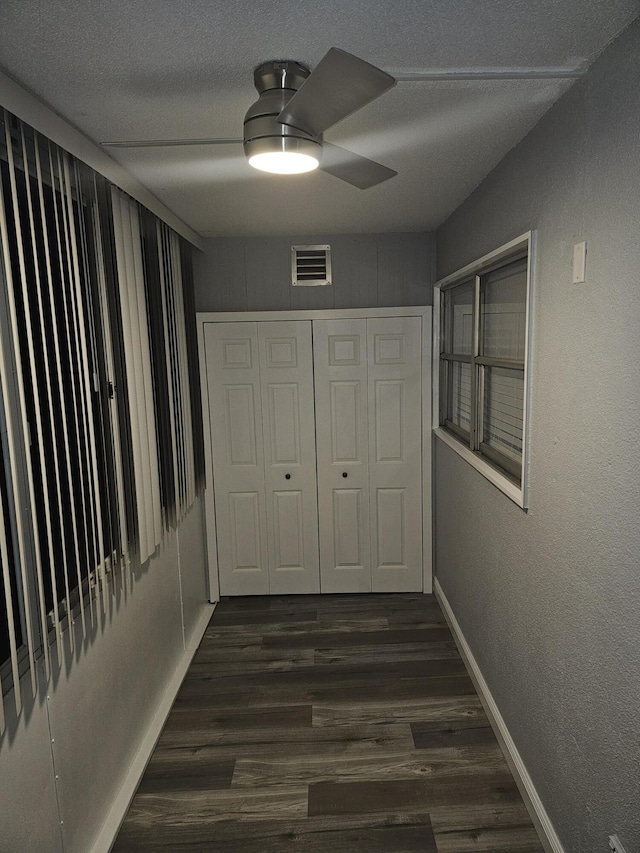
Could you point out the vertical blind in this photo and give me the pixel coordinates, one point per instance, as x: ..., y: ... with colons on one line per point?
x: 99, y: 398
x: 130, y: 268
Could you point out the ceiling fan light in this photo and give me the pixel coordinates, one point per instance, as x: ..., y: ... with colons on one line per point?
x: 270, y: 145
x: 282, y: 154
x: 284, y: 162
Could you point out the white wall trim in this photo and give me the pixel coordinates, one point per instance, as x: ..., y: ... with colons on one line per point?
x: 427, y: 464
x: 481, y: 465
x: 491, y: 258
x: 117, y: 813
x: 36, y: 113
x: 532, y: 801
x: 210, y: 528
x: 311, y: 314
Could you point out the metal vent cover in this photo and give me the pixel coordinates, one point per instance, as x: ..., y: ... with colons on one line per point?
x: 310, y: 265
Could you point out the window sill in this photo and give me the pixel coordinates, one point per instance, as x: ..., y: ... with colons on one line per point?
x: 501, y: 481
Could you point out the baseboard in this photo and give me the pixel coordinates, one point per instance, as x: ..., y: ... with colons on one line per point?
x: 107, y: 835
x: 532, y: 801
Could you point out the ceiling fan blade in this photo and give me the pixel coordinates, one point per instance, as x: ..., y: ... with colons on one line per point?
x: 353, y: 168
x: 166, y: 143
x: 339, y: 85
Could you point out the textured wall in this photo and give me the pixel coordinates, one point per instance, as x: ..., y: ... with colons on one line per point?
x: 100, y: 705
x: 549, y: 600
x: 369, y: 271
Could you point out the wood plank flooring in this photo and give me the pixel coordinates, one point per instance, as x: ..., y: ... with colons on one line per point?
x: 333, y: 724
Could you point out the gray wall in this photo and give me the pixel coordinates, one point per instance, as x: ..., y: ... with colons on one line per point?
x: 369, y: 271
x: 549, y: 600
x: 86, y: 728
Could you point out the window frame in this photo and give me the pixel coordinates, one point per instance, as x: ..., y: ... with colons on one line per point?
x: 486, y: 464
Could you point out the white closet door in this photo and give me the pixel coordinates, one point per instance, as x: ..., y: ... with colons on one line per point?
x: 395, y: 453
x: 233, y: 380
x: 286, y: 378
x: 340, y: 364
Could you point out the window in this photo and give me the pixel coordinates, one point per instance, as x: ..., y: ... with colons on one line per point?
x: 174, y: 361
x: 482, y: 320
x: 89, y: 392
x: 58, y: 445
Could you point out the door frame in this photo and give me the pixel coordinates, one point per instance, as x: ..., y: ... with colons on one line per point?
x: 423, y: 311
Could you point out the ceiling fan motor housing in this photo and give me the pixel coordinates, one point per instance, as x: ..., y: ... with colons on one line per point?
x: 276, y: 82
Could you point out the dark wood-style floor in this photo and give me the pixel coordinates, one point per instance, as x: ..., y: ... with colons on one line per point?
x: 329, y: 724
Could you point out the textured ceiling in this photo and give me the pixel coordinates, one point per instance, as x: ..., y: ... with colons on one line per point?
x: 145, y: 69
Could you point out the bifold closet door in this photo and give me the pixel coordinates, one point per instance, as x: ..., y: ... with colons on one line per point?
x: 286, y: 381
x: 235, y: 417
x: 369, y: 430
x: 394, y: 349
x: 342, y: 436
x: 261, y: 413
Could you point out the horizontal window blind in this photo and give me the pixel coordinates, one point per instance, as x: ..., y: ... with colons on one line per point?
x: 483, y: 330
x: 86, y: 344
x: 460, y: 407
x: 503, y: 410
x: 502, y: 337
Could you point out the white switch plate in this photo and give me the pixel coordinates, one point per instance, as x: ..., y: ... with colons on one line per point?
x: 614, y: 844
x: 579, y: 262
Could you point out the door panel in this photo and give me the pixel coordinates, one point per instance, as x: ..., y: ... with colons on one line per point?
x: 288, y: 527
x: 390, y: 526
x: 244, y: 517
x: 284, y: 415
x: 389, y: 410
x: 345, y: 418
x: 241, y: 424
x: 286, y: 379
x: 340, y: 366
x: 233, y: 384
x: 395, y: 443
x: 347, y: 525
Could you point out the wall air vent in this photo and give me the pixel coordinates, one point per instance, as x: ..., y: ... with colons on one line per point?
x: 310, y: 265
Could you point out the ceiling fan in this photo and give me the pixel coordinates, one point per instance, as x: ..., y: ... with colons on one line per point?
x: 283, y: 129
